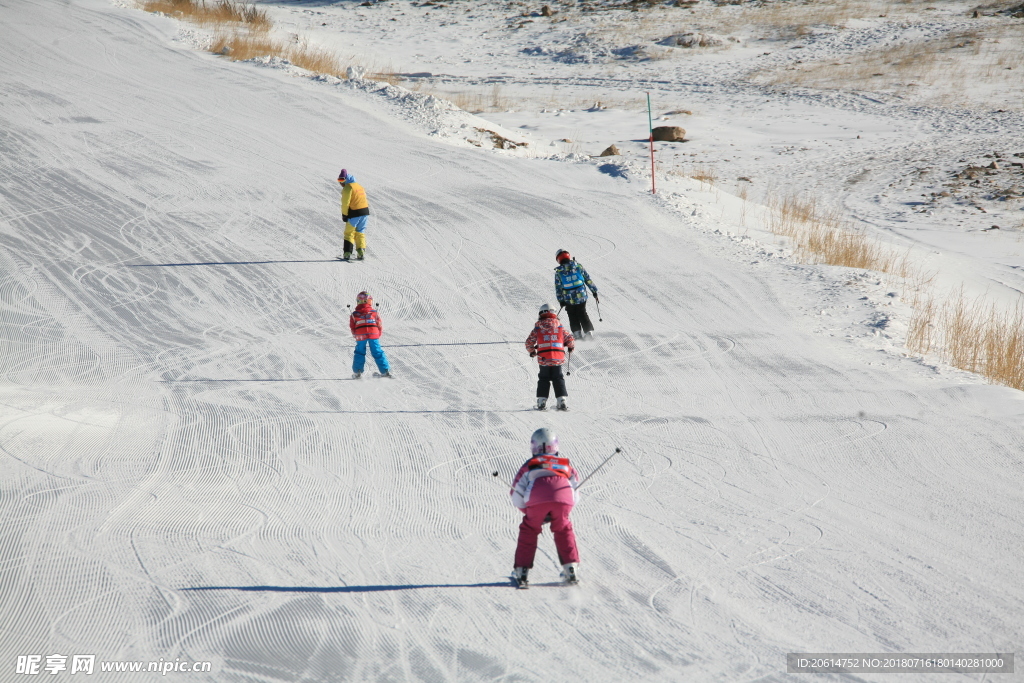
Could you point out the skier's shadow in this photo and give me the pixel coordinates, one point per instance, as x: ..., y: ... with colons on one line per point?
x: 345, y: 589
x: 256, y: 380
x: 225, y: 263
x: 416, y: 412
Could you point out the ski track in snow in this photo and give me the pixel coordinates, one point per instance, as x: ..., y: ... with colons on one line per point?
x: 189, y: 472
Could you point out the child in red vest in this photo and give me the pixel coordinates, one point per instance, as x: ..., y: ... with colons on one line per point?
x: 548, y: 343
x: 367, y: 328
x: 544, y: 489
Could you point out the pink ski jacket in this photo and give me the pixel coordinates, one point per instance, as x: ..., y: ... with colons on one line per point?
x: 538, y: 482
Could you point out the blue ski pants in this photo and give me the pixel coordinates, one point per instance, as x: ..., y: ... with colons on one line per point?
x: 359, y: 362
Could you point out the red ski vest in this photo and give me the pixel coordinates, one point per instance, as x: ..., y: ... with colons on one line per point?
x: 365, y: 323
x: 554, y: 463
x: 550, y: 339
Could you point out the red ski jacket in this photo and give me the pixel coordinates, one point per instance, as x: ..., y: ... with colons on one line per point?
x: 550, y: 340
x: 365, y: 323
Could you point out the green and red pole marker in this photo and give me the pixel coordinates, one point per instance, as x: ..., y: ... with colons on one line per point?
x: 650, y: 127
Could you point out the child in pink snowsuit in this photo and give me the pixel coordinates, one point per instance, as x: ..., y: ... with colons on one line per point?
x: 544, y: 490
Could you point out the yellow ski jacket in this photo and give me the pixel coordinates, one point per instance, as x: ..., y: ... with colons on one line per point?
x: 353, y: 201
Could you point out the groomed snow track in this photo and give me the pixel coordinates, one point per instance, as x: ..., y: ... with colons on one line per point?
x: 188, y: 473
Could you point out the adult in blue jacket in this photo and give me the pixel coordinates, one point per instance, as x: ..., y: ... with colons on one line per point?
x: 571, y: 284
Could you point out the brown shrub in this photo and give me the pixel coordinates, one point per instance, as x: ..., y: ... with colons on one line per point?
x: 972, y: 336
x: 823, y: 236
x: 216, y: 13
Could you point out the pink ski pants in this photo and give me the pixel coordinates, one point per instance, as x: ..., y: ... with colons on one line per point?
x: 561, y: 527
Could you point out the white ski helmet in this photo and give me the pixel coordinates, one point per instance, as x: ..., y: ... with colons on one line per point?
x: 546, y: 308
x: 544, y: 441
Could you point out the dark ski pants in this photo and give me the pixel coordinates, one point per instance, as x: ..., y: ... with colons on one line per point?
x: 579, y: 321
x: 550, y: 374
x: 561, y: 527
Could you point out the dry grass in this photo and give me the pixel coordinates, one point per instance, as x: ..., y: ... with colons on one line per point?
x: 822, y: 236
x: 240, y: 46
x: 920, y: 330
x: 972, y: 336
x: 627, y: 103
x: 243, y: 33
x: 706, y: 175
x: 742, y: 194
x: 945, y: 71
x: 767, y: 19
x: 795, y: 18
x: 488, y: 100
x: 494, y: 99
x: 476, y: 100
x: 703, y: 173
x: 317, y: 60
x: 217, y: 13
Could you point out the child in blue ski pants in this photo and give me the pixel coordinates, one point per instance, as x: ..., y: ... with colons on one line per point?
x: 359, y: 361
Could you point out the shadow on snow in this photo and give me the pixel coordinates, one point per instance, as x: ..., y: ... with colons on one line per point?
x: 346, y: 589
x: 225, y: 263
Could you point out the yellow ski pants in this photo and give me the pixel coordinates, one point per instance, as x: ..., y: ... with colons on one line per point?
x: 355, y: 237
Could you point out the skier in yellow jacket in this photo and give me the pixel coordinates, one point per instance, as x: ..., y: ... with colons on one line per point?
x: 355, y: 211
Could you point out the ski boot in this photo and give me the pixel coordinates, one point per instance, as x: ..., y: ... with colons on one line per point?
x: 542, y: 403
x: 519, y: 575
x: 345, y: 256
x: 384, y: 374
x: 590, y: 335
x: 356, y: 375
x: 562, y: 405
x: 570, y: 573
x: 360, y: 254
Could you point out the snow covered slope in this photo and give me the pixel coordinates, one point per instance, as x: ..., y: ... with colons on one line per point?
x: 188, y: 473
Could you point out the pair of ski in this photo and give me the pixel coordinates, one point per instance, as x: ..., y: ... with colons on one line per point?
x: 523, y: 583
x: 359, y: 375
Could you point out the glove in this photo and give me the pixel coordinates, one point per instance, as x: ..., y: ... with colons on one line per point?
x: 597, y: 298
x: 344, y: 217
x: 533, y: 354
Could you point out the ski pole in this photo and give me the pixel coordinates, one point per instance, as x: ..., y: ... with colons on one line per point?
x: 599, y: 318
x: 567, y: 361
x: 617, y: 451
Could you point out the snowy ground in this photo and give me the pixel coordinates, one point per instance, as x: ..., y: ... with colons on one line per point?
x: 872, y: 138
x: 189, y: 473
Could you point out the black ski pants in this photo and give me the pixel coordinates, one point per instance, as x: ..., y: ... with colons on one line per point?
x: 579, y: 321
x: 550, y: 374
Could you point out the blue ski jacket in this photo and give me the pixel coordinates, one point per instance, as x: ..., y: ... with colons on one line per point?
x: 571, y: 283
